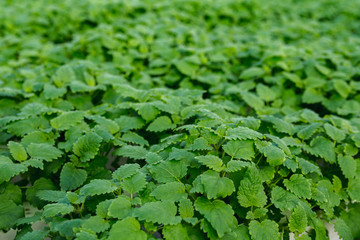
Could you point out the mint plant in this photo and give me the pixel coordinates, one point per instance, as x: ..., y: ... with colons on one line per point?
x: 179, y: 120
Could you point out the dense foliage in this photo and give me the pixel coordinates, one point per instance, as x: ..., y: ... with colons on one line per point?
x: 181, y: 119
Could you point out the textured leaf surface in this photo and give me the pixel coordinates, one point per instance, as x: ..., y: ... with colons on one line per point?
x: 54, y: 209
x: 120, y: 208
x: 299, y: 185
x: 66, y: 120
x: 251, y: 191
x: 218, y: 213
x: 17, y: 151
x: 8, y: 169
x: 240, y: 149
x: 212, y: 162
x: 172, y: 191
x: 176, y: 232
x: 348, y: 165
x: 96, y: 224
x: 242, y: 133
x: 128, y: 228
x: 135, y: 152
x: 97, y: 187
x: 265, y: 230
x: 134, y: 183
x: 298, y: 220
x: 324, y: 148
x: 71, y: 177
x: 161, y: 124
x: 158, y: 212
x: 216, y: 186
x: 87, y: 146
x: 9, y: 213
x: 43, y: 151
x: 275, y: 156
x: 125, y: 171
x: 343, y: 229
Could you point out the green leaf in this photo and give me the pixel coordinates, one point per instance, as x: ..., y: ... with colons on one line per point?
x: 148, y: 112
x: 135, y: 183
x: 200, y: 144
x: 84, y: 234
x: 251, y: 191
x: 34, y: 235
x: 39, y: 184
x: 343, y: 229
x: 356, y: 138
x: 298, y: 220
x: 8, y: 169
x: 216, y: 186
x: 324, y: 148
x: 335, y: 133
x: 242, y: 133
x: 128, y: 228
x: 275, y: 156
x: 283, y: 199
x: 120, y: 208
x: 349, y: 107
x: 54, y: 209
x: 312, y: 95
x: 87, y: 146
x: 161, y: 124
x: 235, y: 165
x: 9, y: 213
x: 265, y: 93
x: 132, y: 137
x: 51, y: 195
x: 175, y: 232
x: 219, y: 214
x: 306, y: 132
x: 103, y: 207
x: 342, y: 88
x: 299, y: 185
x: 71, y: 177
x: 38, y: 137
x: 64, y: 74
x: 280, y: 125
x: 168, y: 171
x: 240, y: 149
x: 12, y: 192
x: 253, y: 72
x: 172, y: 191
x: 211, y: 161
x: 186, y: 67
x: 52, y: 92
x: 308, y: 167
x: 105, y: 123
x: 186, y: 208
x: 240, y: 233
x: 95, y: 224
x: 17, y: 151
x: 97, y: 187
x: 348, y: 165
x: 135, y: 152
x: 158, y: 212
x: 66, y: 120
x: 354, y: 189
x: 266, y: 230
x: 253, y: 101
x: 43, y: 151
x: 125, y: 171
x: 127, y: 123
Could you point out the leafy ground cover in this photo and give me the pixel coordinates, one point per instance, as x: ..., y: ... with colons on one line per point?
x: 180, y: 119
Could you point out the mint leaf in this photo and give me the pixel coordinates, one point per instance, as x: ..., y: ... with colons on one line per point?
x: 218, y: 213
